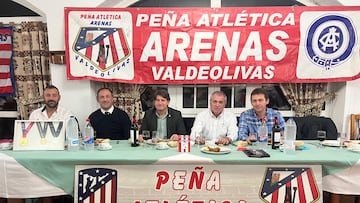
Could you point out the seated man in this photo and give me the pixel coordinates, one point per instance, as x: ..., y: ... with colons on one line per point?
x: 109, y: 121
x: 215, y: 124
x: 51, y: 110
x: 251, y: 119
x: 167, y: 121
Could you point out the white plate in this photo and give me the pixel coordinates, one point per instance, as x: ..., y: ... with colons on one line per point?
x: 331, y: 143
x: 6, y: 146
x: 223, y: 150
x: 354, y: 150
x: 149, y: 141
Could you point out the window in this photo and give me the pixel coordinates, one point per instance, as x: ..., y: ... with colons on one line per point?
x: 198, y: 101
x: 236, y: 95
x: 276, y: 96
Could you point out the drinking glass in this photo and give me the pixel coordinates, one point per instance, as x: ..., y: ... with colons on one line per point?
x: 341, y: 137
x: 154, y: 136
x: 199, y: 140
x: 146, y: 134
x: 253, y: 138
x: 321, y: 136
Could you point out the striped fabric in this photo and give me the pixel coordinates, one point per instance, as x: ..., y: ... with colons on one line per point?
x: 7, y: 84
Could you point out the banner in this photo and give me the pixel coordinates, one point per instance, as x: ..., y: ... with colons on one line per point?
x: 197, y: 183
x: 213, y: 45
x: 7, y: 81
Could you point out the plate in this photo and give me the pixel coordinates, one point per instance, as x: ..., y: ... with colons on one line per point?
x: 6, y: 146
x: 354, y: 150
x: 223, y: 150
x: 331, y: 143
x: 150, y: 141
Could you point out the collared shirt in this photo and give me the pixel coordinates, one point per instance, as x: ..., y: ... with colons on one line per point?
x: 110, y: 110
x: 161, y: 125
x: 60, y: 114
x: 250, y: 122
x: 212, y: 127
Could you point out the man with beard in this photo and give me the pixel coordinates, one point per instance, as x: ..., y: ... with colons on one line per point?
x: 51, y: 110
x: 109, y: 121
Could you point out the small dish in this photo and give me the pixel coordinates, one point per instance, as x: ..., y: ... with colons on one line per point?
x: 6, y: 146
x: 331, y: 143
x: 223, y: 150
x: 162, y: 146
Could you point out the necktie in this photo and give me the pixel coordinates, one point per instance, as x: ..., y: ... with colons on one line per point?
x: 107, y: 113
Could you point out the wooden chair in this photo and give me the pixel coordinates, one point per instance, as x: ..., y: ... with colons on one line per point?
x: 354, y: 126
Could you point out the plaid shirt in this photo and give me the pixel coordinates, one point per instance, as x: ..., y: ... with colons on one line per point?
x: 249, y: 122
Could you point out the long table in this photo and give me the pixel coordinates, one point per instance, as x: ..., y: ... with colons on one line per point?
x: 27, y: 174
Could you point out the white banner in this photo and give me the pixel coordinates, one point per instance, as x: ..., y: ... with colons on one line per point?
x: 198, y: 183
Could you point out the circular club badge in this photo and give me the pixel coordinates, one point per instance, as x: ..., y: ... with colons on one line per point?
x: 330, y: 40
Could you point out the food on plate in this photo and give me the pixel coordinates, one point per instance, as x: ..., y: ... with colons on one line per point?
x: 299, y: 143
x: 212, y: 148
x: 241, y: 143
x: 172, y: 143
x: 157, y: 140
x: 98, y: 141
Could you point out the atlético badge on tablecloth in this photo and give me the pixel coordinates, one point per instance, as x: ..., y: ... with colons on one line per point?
x: 96, y: 185
x: 289, y: 185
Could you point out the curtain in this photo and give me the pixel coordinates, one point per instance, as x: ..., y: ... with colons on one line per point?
x: 306, y: 98
x: 31, y: 65
x: 127, y: 98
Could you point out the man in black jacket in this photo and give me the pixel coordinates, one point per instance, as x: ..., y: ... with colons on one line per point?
x: 167, y: 121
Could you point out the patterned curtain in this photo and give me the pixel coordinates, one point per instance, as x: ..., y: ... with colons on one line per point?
x: 127, y: 98
x: 306, y: 98
x: 31, y: 65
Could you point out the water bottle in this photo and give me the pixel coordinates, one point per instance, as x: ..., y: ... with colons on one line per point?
x: 263, y: 136
x: 290, y: 136
x: 72, y: 134
x: 88, y: 136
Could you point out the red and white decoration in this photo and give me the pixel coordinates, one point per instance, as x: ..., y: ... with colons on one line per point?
x: 213, y: 45
x: 7, y: 84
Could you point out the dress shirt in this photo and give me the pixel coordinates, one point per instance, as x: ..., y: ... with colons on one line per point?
x: 161, y: 125
x: 212, y: 127
x: 60, y: 114
x: 250, y: 122
x: 108, y: 112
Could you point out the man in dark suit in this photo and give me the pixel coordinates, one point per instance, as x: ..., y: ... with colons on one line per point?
x: 167, y: 121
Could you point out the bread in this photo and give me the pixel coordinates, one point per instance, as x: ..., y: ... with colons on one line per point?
x: 172, y: 143
x: 241, y: 143
x: 98, y: 141
x: 299, y: 143
x: 214, y: 149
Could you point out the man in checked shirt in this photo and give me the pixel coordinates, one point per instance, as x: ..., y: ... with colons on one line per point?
x: 251, y: 119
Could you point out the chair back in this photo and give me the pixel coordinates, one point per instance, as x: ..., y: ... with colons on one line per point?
x: 308, y: 126
x: 354, y: 126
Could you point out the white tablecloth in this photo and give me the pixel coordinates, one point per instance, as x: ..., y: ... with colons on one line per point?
x: 18, y: 182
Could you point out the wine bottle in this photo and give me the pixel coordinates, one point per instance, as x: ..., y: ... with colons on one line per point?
x: 134, y: 133
x: 275, y: 136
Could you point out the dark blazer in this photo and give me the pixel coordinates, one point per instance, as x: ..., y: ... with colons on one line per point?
x: 174, y: 122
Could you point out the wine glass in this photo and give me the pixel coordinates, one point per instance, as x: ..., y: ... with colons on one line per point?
x: 253, y: 138
x: 146, y: 134
x: 321, y: 136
